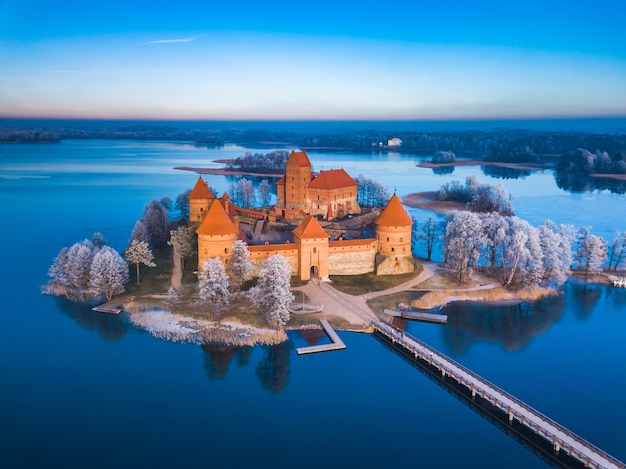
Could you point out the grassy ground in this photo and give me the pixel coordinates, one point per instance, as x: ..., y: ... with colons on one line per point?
x: 377, y: 305
x: 361, y: 284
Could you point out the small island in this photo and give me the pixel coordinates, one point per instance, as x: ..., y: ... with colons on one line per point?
x: 331, y: 248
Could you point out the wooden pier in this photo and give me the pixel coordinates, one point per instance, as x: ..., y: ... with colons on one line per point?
x: 336, y: 342
x: 561, y: 439
x: 112, y: 307
x: 418, y: 316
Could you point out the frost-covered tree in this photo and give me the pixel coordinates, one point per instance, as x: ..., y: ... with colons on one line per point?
x: 140, y: 233
x: 495, y: 228
x: 58, y: 270
x: 242, y: 193
x: 443, y: 156
x: 184, y: 241
x: 522, y: 254
x: 617, y: 250
x: 265, y: 192
x: 462, y: 243
x: 109, y: 273
x: 155, y: 221
x: 240, y: 266
x: 371, y: 193
x: 272, y: 292
x: 138, y: 252
x: 78, y: 265
x: 213, y: 284
x: 591, y: 251
x: 98, y: 240
x: 557, y: 253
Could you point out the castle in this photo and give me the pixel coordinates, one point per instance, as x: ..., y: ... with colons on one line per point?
x: 301, y: 195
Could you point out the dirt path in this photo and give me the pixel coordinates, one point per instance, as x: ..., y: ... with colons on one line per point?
x: 177, y: 272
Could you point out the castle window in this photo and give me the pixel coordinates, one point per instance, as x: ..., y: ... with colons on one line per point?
x: 205, y: 251
x: 202, y: 209
x: 225, y: 250
x: 314, y: 250
x: 393, y: 249
x: 387, y: 238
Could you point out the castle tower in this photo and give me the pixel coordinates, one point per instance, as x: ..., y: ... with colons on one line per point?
x: 292, y: 188
x: 312, y: 242
x: 216, y: 235
x: 393, y: 234
x: 200, y: 198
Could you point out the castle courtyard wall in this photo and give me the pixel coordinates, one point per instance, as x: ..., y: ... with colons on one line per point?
x: 345, y: 258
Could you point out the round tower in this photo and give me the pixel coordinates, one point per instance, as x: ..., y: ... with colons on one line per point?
x: 393, y: 235
x: 216, y: 235
x: 200, y: 198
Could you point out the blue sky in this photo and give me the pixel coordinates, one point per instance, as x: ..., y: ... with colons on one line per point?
x: 318, y: 60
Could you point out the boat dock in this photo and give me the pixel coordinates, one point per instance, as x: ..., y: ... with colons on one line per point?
x: 336, y: 342
x: 562, y: 440
x: 112, y: 307
x: 417, y: 316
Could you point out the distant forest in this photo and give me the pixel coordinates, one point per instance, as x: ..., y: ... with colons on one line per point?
x: 571, y: 152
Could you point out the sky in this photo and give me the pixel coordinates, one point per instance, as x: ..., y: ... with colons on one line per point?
x: 332, y: 60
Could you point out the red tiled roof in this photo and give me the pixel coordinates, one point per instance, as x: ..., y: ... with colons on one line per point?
x: 351, y: 242
x: 301, y: 157
x: 217, y: 222
x: 281, y: 181
x: 394, y: 214
x: 201, y: 190
x: 310, y: 228
x: 332, y: 179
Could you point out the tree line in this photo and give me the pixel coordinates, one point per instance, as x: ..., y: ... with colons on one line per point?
x: 476, y: 196
x: 514, y: 252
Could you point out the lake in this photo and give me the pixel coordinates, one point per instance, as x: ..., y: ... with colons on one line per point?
x: 82, y: 389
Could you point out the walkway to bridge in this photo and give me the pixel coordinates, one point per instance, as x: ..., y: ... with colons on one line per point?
x: 560, y: 437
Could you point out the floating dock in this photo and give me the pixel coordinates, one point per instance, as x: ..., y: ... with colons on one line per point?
x: 105, y: 309
x: 336, y: 342
x: 424, y: 317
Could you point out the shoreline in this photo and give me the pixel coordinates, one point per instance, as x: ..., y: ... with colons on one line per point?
x: 428, y: 201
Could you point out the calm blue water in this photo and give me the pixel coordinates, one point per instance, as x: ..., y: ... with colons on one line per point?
x: 80, y: 389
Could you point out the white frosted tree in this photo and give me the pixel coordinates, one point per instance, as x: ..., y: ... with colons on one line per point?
x: 78, y: 265
x: 140, y: 233
x: 557, y: 253
x: 138, y: 252
x: 213, y: 284
x: 522, y: 258
x: 495, y: 227
x: 265, y: 192
x: 240, y: 266
x: 462, y: 243
x: 617, y: 250
x: 273, y: 290
x: 246, y: 192
x: 58, y: 270
x: 109, y: 273
x: 591, y: 251
x: 183, y: 240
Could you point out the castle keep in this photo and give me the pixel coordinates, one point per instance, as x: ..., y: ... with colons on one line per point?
x: 301, y: 195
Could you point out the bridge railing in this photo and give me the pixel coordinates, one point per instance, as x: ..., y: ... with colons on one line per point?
x: 397, y: 333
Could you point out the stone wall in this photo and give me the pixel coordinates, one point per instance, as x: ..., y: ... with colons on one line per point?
x: 393, y: 265
x: 259, y: 254
x: 355, y: 261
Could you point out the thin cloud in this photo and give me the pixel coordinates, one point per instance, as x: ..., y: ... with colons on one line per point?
x: 172, y: 41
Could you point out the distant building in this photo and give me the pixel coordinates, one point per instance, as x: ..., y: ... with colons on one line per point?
x: 394, y: 142
x: 311, y: 253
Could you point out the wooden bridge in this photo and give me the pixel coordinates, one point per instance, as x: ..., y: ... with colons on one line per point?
x: 558, y: 436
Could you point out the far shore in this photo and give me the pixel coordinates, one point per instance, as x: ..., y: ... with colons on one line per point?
x: 226, y: 172
x: 428, y: 200
x: 518, y: 166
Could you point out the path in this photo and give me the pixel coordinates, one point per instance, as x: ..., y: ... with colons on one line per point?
x: 177, y: 272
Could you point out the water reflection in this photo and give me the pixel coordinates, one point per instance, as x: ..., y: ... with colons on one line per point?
x: 110, y: 327
x: 511, y: 325
x: 504, y: 173
x: 217, y: 359
x: 273, y: 369
x: 585, y: 297
x: 443, y: 170
x: 584, y: 183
